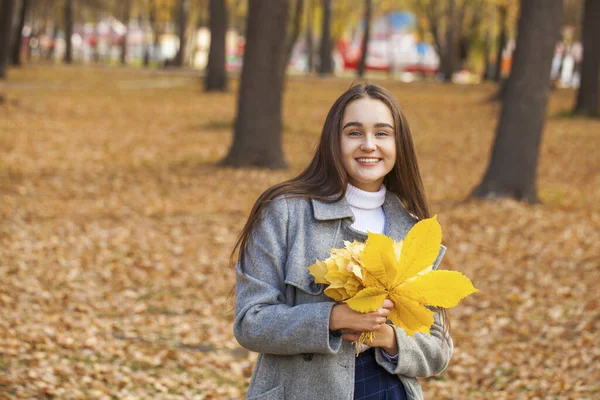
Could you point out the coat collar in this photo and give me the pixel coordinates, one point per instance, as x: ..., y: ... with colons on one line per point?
x: 398, y: 220
x: 324, y: 211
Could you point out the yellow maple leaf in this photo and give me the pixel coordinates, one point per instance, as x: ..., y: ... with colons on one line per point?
x: 410, y: 314
x: 337, y: 292
x: 356, y: 269
x: 378, y: 263
x: 365, y: 274
x: 318, y: 271
x: 438, y: 288
x: 341, y: 271
x: 404, y: 273
x: 367, y: 300
x: 420, y: 248
x: 355, y: 248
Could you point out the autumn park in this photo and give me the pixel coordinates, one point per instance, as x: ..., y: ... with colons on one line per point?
x: 136, y: 136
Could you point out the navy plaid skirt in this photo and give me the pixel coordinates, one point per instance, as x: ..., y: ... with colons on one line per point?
x: 372, y: 382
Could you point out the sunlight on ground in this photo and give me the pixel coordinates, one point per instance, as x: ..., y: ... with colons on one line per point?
x: 116, y: 228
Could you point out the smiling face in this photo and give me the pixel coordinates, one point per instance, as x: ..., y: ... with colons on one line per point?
x: 367, y: 143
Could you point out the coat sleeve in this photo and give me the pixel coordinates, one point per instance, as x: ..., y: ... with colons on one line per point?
x: 263, y: 321
x: 421, y: 355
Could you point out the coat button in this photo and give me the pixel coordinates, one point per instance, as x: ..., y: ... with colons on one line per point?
x: 307, y: 356
x: 315, y: 287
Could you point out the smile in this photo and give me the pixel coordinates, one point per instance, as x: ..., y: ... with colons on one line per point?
x: 366, y: 160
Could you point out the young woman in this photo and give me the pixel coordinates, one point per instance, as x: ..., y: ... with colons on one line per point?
x: 363, y: 177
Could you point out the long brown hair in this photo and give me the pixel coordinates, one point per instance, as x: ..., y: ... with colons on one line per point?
x: 325, y: 178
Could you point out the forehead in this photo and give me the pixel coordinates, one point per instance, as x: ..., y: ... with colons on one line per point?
x: 367, y: 111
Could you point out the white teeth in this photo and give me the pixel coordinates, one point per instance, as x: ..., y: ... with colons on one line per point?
x: 368, y: 160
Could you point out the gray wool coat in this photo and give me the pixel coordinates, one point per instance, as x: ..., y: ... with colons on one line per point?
x: 283, y: 315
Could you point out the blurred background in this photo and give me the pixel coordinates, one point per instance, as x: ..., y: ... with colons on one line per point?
x: 135, y: 136
x: 406, y: 38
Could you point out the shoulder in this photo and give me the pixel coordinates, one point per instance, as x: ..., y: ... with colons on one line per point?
x: 286, y: 206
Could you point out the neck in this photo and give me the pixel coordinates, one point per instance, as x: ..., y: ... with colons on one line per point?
x: 365, y: 200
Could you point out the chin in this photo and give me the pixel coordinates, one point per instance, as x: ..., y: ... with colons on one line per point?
x: 370, y: 182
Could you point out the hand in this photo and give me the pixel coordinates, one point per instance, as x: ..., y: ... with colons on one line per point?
x: 343, y: 317
x: 384, y: 337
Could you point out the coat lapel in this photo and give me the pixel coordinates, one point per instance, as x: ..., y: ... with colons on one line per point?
x: 398, y: 221
x: 324, y: 211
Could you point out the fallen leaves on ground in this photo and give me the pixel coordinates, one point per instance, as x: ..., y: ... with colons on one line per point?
x: 116, y: 228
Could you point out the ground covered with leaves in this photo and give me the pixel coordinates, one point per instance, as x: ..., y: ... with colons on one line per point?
x: 116, y: 228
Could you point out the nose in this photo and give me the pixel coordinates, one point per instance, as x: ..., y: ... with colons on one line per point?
x: 368, y: 143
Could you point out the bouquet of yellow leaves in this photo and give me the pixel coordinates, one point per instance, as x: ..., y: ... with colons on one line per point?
x: 363, y: 275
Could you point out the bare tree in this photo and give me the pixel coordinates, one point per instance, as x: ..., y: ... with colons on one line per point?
x: 445, y: 20
x: 68, y: 31
x: 502, y: 9
x: 514, y: 157
x: 325, y: 58
x: 587, y: 95
x: 216, y: 74
x: 310, y: 37
x: 15, y: 57
x: 448, y: 60
x: 470, y: 20
x: 366, y: 37
x: 181, y: 25
x: 257, y: 136
x: 126, y: 16
x: 487, y: 50
x: 6, y: 20
x: 153, y: 25
x: 295, y: 33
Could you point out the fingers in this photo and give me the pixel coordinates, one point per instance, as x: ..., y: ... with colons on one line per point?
x: 383, y: 312
x: 376, y: 324
x: 343, y: 317
x: 351, y: 336
x: 388, y: 304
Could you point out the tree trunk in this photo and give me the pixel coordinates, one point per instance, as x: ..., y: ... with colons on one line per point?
x: 216, y: 74
x: 181, y: 25
x: 514, y: 156
x: 126, y: 15
x: 430, y: 11
x: 297, y: 20
x: 365, y: 44
x: 448, y: 61
x: 155, y: 35
x: 68, y: 31
x: 487, y: 50
x: 310, y: 50
x: 147, y: 27
x: 257, y: 137
x: 502, y: 12
x: 473, y: 24
x: 232, y: 17
x: 6, y: 21
x: 587, y: 95
x: 325, y: 58
x: 444, y: 41
x: 17, y: 35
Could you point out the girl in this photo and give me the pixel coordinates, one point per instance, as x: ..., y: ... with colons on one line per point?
x: 364, y: 168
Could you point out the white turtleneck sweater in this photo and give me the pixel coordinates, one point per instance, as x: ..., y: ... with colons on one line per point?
x: 367, y: 209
